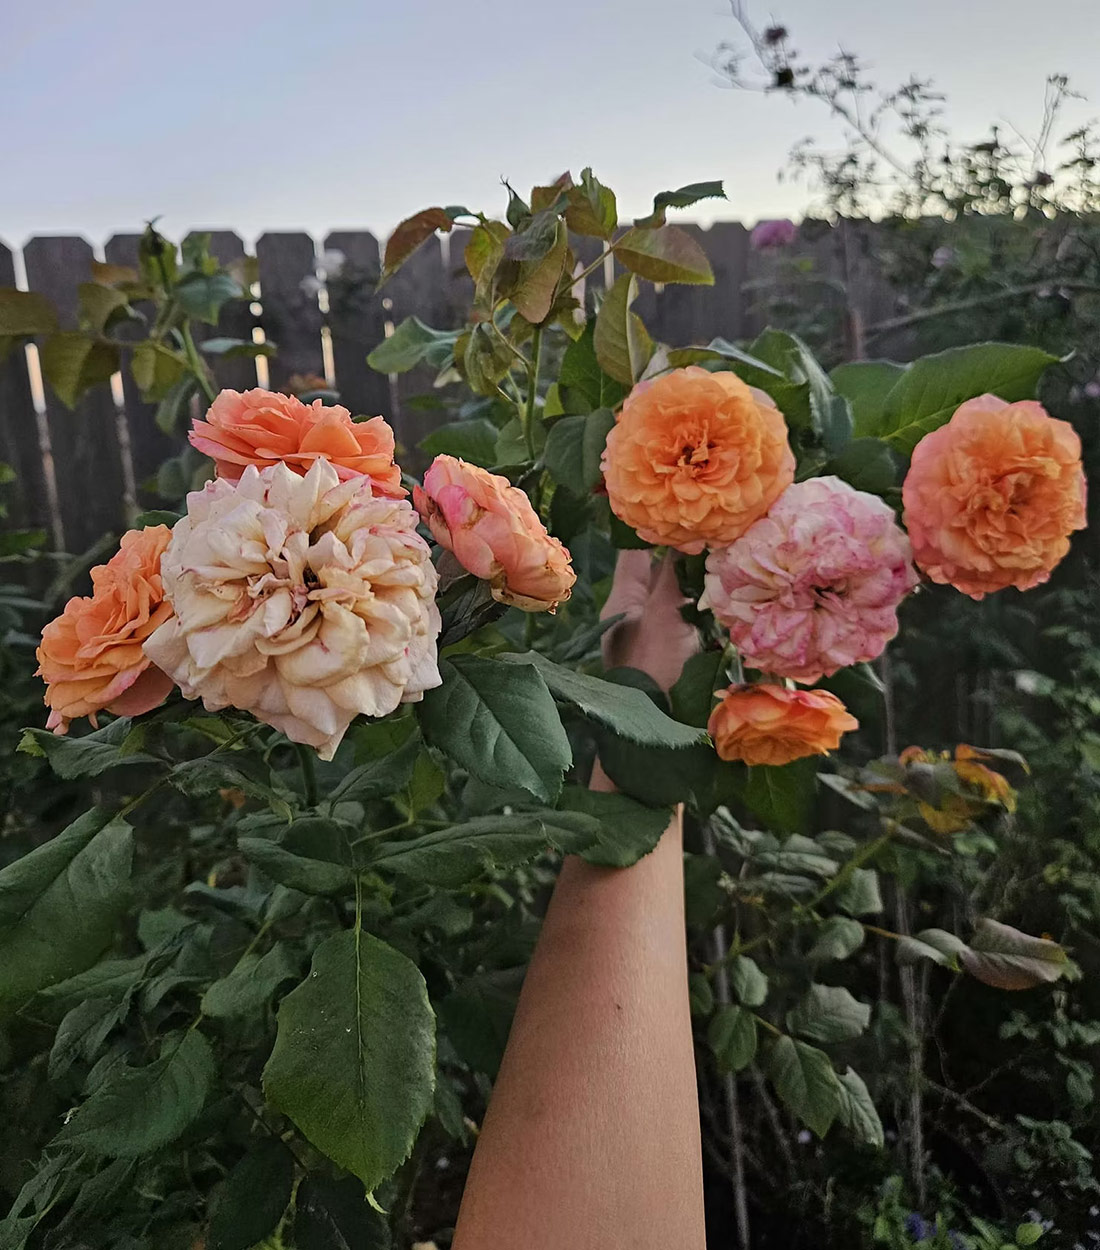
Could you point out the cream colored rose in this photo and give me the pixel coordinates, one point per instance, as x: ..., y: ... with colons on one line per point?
x: 303, y: 600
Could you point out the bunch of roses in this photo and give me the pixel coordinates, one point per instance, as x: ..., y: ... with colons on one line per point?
x: 807, y: 576
x: 296, y: 587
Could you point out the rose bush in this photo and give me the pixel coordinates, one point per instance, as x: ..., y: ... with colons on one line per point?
x: 287, y: 909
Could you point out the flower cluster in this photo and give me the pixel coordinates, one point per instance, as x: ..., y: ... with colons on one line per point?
x: 807, y: 577
x: 297, y: 586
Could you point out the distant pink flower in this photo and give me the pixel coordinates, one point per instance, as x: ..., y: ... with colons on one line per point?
x: 943, y: 256
x: 813, y: 586
x: 772, y: 234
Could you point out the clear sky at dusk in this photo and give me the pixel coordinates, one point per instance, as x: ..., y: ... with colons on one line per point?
x: 321, y: 114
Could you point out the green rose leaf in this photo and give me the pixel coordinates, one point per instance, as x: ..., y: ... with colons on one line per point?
x: 474, y: 440
x: 829, y: 1013
x: 857, y: 1112
x: 926, y: 395
x: 335, y: 1215
x: 682, y: 197
x: 937, y: 945
x: 622, y: 343
x: 411, y: 344
x: 837, y: 938
x: 137, y: 1110
x: 664, y: 254
x: 574, y: 448
x: 732, y: 1037
x: 312, y: 854
x: 865, y: 384
x: 251, y: 1200
x: 23, y: 313
x: 59, y: 905
x: 156, y: 370
x: 498, y: 721
x: 354, y: 1058
x: 537, y: 281
x: 627, y: 829
x: 73, y: 363
x: 201, y: 295
x: 781, y: 797
x: 749, y: 984
x: 87, y: 756
x: 806, y: 1083
x: 250, y: 985
x: 1007, y: 959
x: 450, y: 857
x: 626, y: 710
x: 592, y: 208
x: 860, y: 894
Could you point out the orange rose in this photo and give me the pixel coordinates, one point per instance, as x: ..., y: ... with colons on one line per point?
x: 263, y: 428
x: 90, y: 656
x: 992, y: 497
x: 495, y: 534
x: 766, y: 724
x: 695, y: 458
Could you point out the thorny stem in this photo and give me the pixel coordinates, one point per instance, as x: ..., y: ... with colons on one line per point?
x: 532, y: 390
x: 198, y: 368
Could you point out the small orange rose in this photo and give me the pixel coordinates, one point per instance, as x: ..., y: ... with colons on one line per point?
x: 91, y: 655
x: 992, y: 497
x: 495, y: 534
x: 265, y: 428
x: 695, y: 458
x: 768, y: 724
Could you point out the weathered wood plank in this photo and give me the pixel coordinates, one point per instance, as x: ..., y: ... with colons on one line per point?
x: 692, y: 315
x: 236, y: 320
x: 419, y: 288
x: 87, y: 457
x: 149, y: 445
x: 291, y: 317
x: 26, y: 499
x: 357, y: 322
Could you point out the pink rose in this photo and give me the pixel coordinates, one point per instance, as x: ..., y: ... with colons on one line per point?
x: 814, y: 586
x: 767, y: 235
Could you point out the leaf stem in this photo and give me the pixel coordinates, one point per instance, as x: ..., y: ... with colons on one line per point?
x: 532, y: 390
x: 198, y: 367
x: 309, y: 773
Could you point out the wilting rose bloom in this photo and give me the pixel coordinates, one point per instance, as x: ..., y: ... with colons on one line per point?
x: 992, y: 497
x: 766, y: 724
x: 303, y: 600
x: 814, y: 586
x: 90, y: 656
x: 495, y: 534
x: 264, y: 428
x: 695, y: 458
x: 981, y: 788
x: 772, y: 234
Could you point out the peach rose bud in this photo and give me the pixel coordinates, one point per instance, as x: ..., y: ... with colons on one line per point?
x: 992, y: 497
x: 695, y: 458
x: 91, y: 656
x: 265, y: 428
x: 494, y: 533
x: 769, y: 724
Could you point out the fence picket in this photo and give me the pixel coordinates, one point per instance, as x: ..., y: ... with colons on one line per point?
x: 236, y: 321
x: 87, y: 457
x: 25, y: 500
x: 357, y: 321
x: 291, y: 317
x: 149, y: 445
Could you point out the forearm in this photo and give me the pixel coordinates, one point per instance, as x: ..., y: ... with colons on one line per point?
x: 592, y: 1135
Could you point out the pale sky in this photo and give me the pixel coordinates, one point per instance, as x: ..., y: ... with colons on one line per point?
x: 321, y: 114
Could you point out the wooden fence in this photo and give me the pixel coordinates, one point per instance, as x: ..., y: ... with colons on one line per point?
x: 80, y: 473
